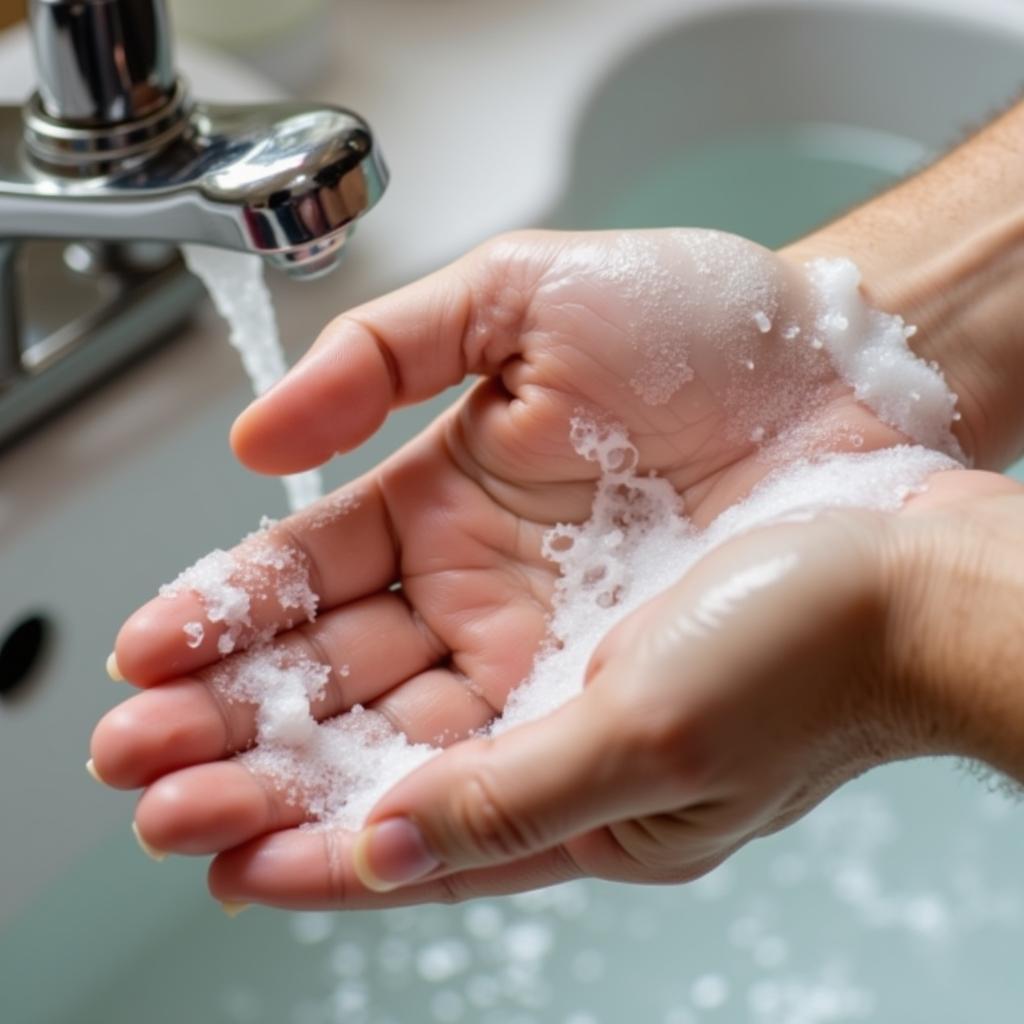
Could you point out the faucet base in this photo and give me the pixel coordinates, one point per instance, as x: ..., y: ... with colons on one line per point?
x: 72, y: 315
x: 87, y: 151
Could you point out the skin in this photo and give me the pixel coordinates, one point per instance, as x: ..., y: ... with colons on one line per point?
x: 945, y: 249
x: 867, y: 651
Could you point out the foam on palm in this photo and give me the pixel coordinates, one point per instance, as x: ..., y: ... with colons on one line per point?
x: 235, y: 283
x: 636, y: 542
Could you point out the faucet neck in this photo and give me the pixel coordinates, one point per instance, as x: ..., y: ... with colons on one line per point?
x: 102, y: 62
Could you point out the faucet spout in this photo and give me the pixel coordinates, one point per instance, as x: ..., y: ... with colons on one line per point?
x: 285, y: 181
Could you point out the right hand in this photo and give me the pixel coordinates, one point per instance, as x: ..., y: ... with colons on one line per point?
x: 784, y: 664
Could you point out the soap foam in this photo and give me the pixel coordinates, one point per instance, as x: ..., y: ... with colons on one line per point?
x: 195, y: 633
x: 728, y: 274
x: 869, y: 350
x: 656, y: 296
x: 637, y: 541
x: 602, y: 582
x: 342, y: 767
x: 281, y: 684
x: 263, y: 567
x: 213, y: 580
x: 327, y: 511
x: 235, y: 283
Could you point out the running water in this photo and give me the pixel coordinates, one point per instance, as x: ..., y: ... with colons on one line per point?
x: 235, y: 283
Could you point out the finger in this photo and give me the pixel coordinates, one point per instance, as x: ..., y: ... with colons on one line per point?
x: 439, y: 707
x: 369, y: 648
x: 952, y: 486
x: 308, y: 870
x: 499, y: 800
x: 401, y: 348
x: 339, y: 549
x: 210, y: 807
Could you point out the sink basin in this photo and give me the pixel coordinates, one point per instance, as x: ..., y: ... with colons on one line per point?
x: 898, y: 900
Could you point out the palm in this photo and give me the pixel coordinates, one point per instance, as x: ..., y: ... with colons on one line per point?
x: 472, y: 499
x: 557, y: 325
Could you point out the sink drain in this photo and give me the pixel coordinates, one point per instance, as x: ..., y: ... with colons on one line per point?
x: 21, y: 653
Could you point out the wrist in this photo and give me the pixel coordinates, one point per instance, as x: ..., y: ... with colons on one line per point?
x: 965, y: 306
x: 945, y: 250
x: 955, y: 628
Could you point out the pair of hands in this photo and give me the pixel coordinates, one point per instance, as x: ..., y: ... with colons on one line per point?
x: 682, y: 748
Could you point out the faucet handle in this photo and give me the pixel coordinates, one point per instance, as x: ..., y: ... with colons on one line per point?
x: 102, y: 62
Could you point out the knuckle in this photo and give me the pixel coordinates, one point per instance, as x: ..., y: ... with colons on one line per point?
x: 672, y: 746
x: 335, y: 861
x: 654, y: 845
x: 452, y: 889
x: 684, y: 874
x: 235, y: 725
x: 665, y: 851
x: 298, y: 556
x: 674, y: 874
x: 483, y: 828
x: 499, y: 249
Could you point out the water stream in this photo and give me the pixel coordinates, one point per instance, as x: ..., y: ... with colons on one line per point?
x: 236, y: 286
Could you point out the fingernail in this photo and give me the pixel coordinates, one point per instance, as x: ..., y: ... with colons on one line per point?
x: 90, y: 767
x: 233, y: 909
x: 112, y: 669
x: 391, y: 854
x: 149, y: 851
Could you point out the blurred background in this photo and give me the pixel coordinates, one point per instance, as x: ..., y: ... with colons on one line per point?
x: 899, y: 900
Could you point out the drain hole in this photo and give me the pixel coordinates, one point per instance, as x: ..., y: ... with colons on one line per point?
x: 23, y: 650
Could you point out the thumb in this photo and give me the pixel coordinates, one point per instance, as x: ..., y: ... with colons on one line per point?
x: 401, y: 348
x: 490, y: 801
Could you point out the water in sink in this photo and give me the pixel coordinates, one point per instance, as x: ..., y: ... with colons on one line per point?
x: 771, y: 183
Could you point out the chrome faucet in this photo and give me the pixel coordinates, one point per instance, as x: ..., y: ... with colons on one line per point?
x: 112, y: 147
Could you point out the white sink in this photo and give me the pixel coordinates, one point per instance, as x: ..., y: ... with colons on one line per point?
x: 900, y: 900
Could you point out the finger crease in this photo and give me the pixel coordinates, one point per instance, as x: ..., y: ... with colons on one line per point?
x: 334, y: 858
x: 306, y: 634
x: 451, y: 889
x: 387, y: 357
x: 391, y: 528
x: 567, y: 867
x: 381, y: 708
x: 437, y: 647
x: 220, y: 704
x: 293, y: 538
